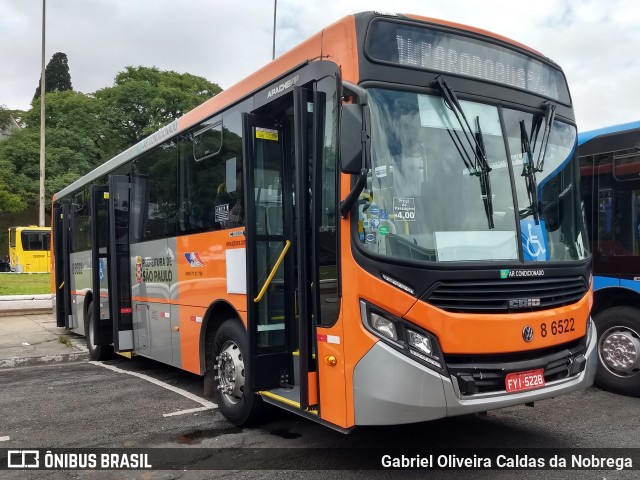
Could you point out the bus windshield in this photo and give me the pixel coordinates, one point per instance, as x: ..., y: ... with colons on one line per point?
x: 433, y: 196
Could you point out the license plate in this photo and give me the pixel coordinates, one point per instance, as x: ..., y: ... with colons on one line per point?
x: 520, y: 381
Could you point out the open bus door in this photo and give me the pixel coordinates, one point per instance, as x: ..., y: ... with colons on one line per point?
x: 111, y: 275
x: 103, y: 328
x: 119, y: 265
x: 280, y: 260
x: 62, y: 270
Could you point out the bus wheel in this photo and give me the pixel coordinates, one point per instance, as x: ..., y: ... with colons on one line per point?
x: 232, y: 384
x: 619, y: 350
x: 96, y: 352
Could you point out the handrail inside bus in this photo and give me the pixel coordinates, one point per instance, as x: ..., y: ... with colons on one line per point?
x: 273, y: 271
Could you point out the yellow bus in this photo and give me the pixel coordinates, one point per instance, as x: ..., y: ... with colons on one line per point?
x: 29, y: 249
x: 381, y: 226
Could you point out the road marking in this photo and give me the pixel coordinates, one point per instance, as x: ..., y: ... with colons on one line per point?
x: 4, y: 439
x: 206, y: 404
x: 191, y: 410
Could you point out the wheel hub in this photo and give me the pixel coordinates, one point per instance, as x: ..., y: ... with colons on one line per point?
x: 230, y: 372
x: 619, y: 350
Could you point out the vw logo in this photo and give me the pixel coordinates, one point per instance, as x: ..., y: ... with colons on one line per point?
x: 527, y: 334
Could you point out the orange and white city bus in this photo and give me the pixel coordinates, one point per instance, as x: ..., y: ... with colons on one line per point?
x: 29, y: 249
x: 381, y: 226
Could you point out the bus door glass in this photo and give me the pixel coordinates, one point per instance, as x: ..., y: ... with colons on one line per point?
x: 119, y: 264
x: 270, y: 254
x: 100, y: 261
x: 62, y: 272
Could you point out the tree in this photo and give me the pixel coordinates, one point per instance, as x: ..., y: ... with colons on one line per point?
x: 57, y: 77
x: 79, y: 113
x: 5, y: 117
x: 11, y: 200
x: 145, y: 99
x: 83, y: 131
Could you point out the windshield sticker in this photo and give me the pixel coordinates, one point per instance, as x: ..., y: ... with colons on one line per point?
x: 222, y: 212
x: 383, y: 230
x: 374, y: 211
x: 381, y: 171
x: 266, y: 134
x: 507, y: 273
x: 370, y: 238
x: 404, y: 209
x: 534, y: 243
x: 375, y: 223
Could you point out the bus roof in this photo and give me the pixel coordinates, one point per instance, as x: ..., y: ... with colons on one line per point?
x: 336, y: 42
x: 591, y: 134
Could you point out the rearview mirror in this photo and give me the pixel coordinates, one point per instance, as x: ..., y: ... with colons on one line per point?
x: 351, y: 139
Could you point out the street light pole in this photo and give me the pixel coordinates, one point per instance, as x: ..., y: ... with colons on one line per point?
x: 275, y: 7
x: 41, y: 215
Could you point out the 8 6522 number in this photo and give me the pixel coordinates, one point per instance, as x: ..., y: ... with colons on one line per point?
x: 558, y: 327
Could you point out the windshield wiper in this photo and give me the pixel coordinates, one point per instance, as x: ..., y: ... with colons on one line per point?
x: 529, y: 172
x: 479, y: 166
x: 485, y: 181
x: 549, y: 117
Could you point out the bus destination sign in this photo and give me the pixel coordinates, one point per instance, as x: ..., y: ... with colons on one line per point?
x: 466, y: 56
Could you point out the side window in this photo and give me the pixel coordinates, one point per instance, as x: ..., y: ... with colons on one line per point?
x: 81, y: 222
x: 626, y: 166
x: 326, y: 186
x: 12, y: 238
x: 211, y: 195
x: 618, y: 205
x: 154, y: 193
x: 207, y: 140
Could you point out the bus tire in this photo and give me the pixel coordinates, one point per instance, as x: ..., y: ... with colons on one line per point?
x: 96, y: 352
x: 232, y: 383
x: 619, y: 350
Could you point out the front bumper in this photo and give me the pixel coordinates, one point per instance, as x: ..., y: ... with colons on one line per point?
x: 391, y: 388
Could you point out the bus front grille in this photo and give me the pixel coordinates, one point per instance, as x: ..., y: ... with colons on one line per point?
x: 507, y: 296
x: 478, y: 374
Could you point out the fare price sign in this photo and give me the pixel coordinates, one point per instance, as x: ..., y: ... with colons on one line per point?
x: 404, y: 208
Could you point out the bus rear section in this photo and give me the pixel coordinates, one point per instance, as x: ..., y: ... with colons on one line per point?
x: 29, y: 249
x: 361, y: 233
x: 610, y: 175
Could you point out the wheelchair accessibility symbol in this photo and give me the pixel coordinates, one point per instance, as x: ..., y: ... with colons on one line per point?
x: 534, y: 244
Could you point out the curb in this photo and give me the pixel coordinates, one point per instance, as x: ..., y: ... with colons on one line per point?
x: 25, y: 311
x: 39, y: 296
x: 45, y: 360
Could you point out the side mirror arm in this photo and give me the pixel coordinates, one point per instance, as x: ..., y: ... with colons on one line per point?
x: 347, y: 204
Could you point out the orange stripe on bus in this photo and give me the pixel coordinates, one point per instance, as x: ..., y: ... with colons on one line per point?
x: 154, y: 300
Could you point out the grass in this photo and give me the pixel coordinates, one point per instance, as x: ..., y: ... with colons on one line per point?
x: 65, y: 340
x: 24, y: 283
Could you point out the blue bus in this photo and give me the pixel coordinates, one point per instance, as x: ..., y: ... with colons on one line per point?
x: 610, y: 182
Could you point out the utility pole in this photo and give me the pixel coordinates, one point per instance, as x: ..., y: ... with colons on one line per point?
x: 42, y: 92
x: 275, y: 7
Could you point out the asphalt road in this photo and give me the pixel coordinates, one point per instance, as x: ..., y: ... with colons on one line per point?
x: 85, y: 405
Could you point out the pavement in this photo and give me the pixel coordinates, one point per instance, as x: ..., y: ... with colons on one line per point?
x: 29, y: 335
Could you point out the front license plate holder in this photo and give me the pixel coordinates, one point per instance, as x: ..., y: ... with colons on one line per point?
x: 523, y: 381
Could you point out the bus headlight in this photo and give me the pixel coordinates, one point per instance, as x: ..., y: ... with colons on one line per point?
x: 384, y: 326
x: 423, y: 345
x: 403, y: 336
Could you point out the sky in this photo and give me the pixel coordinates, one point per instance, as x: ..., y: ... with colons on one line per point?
x: 596, y: 42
